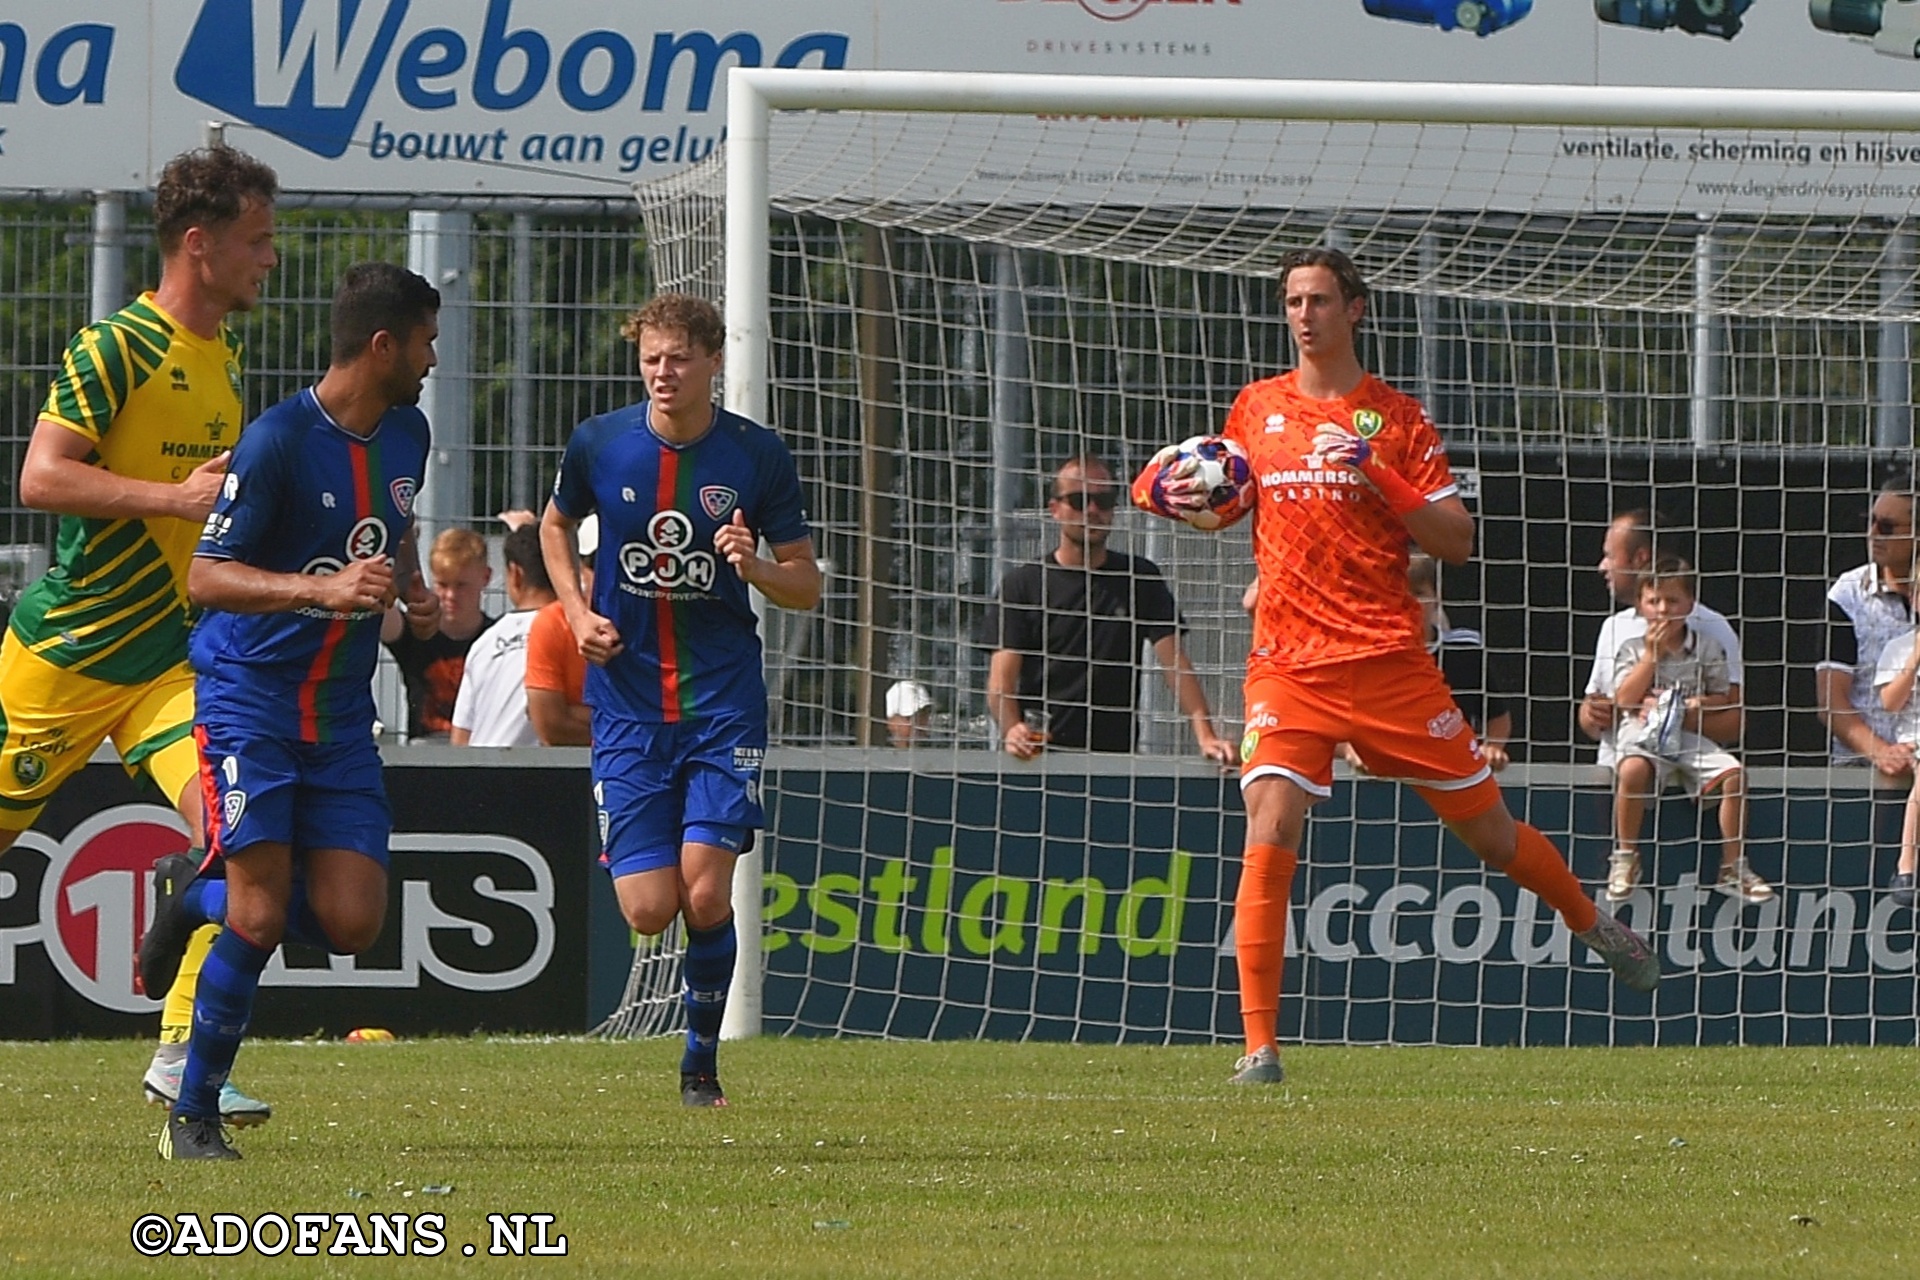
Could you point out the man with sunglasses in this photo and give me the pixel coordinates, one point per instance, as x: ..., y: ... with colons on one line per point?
x: 1868, y: 608
x: 1067, y: 632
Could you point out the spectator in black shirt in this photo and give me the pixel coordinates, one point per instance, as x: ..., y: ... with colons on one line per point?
x: 1067, y: 632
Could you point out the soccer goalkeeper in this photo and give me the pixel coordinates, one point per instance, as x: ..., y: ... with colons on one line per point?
x: 1352, y: 473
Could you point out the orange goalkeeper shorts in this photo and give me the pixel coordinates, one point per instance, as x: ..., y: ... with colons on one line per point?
x: 1396, y: 710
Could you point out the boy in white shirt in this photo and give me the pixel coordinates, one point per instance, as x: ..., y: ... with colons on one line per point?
x: 491, y: 710
x: 1894, y: 677
x: 1666, y: 680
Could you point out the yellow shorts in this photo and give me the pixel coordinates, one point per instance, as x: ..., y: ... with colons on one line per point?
x: 54, y: 720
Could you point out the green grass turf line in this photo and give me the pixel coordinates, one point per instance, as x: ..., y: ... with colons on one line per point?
x: 865, y: 1159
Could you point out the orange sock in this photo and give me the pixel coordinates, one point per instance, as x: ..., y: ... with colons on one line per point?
x: 1260, y: 937
x: 1539, y: 866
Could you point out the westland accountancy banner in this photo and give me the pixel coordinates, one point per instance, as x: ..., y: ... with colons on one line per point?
x: 1061, y: 906
x: 582, y: 97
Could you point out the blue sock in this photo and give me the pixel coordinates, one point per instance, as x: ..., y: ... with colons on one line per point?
x: 206, y: 901
x: 222, y: 1006
x: 706, y: 972
x: 303, y: 926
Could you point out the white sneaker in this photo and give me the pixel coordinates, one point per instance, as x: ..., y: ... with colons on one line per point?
x: 1738, y: 881
x: 1623, y: 874
x: 162, y: 1087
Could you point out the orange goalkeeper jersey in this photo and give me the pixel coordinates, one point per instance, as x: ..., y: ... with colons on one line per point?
x: 1332, y: 556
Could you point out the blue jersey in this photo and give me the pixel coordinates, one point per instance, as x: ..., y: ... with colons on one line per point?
x: 305, y: 495
x: 690, y: 644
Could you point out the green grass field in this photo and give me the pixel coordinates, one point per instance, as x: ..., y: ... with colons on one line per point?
x: 1000, y: 1160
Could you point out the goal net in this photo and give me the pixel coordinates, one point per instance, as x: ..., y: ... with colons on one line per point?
x: 939, y: 287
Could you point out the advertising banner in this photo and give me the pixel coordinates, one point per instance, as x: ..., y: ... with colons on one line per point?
x: 1100, y: 908
x: 570, y: 97
x: 487, y: 918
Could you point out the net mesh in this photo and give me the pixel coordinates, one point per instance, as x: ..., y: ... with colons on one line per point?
x: 1715, y: 327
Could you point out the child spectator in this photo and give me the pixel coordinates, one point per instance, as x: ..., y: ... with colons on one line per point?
x: 1665, y: 680
x: 1895, y: 678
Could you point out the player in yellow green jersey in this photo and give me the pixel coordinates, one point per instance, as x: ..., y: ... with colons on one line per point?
x: 130, y: 451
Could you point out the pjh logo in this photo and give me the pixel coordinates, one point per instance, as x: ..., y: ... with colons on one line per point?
x: 315, y: 64
x: 465, y: 927
x: 1121, y: 10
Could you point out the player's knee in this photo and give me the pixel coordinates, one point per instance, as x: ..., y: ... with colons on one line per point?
x: 355, y: 933
x: 649, y: 919
x: 708, y: 906
x: 262, y: 924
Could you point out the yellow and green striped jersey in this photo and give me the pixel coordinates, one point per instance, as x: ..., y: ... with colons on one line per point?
x: 156, y: 400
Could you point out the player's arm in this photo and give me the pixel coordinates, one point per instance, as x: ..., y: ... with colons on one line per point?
x: 57, y: 477
x: 1191, y: 696
x: 597, y: 637
x: 365, y: 586
x: 1443, y: 528
x: 557, y: 722
x: 791, y: 579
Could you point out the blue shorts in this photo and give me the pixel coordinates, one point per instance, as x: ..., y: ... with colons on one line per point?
x: 308, y: 795
x: 660, y: 786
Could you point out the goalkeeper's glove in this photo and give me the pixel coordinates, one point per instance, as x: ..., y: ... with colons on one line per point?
x: 1344, y: 449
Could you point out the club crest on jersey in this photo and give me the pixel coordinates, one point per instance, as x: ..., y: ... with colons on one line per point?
x: 403, y: 490
x: 1448, y: 724
x: 717, y: 500
x: 1367, y: 423
x: 233, y: 806
x: 368, y: 539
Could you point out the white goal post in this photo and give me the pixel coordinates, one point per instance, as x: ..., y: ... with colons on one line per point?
x: 1787, y: 237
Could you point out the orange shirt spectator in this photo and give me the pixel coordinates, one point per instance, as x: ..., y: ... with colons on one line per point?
x: 556, y: 681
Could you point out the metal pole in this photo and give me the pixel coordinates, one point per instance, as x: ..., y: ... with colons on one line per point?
x: 749, y: 330
x: 1893, y: 382
x: 440, y: 247
x: 523, y: 491
x: 1704, y: 411
x: 109, y: 253
x: 1010, y: 405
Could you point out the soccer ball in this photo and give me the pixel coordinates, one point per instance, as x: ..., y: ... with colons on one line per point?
x: 1222, y: 468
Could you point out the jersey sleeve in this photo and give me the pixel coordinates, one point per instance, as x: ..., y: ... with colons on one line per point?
x: 573, y: 486
x: 1625, y: 657
x: 252, y: 497
x: 783, y: 507
x: 96, y: 375
x: 1425, y: 464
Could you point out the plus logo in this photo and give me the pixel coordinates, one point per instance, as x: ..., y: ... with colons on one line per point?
x: 313, y: 63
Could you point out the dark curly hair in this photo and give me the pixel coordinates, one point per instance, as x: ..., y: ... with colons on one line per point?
x: 208, y: 187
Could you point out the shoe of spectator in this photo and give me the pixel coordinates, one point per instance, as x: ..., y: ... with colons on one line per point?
x: 1623, y: 874
x: 1738, y: 881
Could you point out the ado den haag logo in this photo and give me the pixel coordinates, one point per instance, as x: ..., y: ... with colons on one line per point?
x: 313, y: 65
